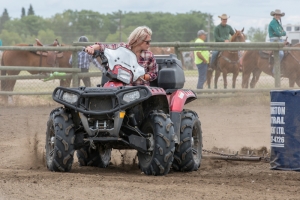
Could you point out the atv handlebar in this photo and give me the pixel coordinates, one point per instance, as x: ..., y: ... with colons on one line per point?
x: 98, y: 53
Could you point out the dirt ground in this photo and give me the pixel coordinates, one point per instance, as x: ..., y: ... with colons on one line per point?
x: 227, y: 124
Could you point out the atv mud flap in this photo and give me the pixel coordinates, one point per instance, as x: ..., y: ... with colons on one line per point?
x: 176, y: 119
x: 138, y: 143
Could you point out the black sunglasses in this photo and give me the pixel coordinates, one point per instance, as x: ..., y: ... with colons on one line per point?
x: 147, y: 41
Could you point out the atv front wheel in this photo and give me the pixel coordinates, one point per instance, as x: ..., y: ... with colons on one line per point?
x: 188, y: 153
x: 99, y: 157
x: 60, y: 139
x: 159, y: 160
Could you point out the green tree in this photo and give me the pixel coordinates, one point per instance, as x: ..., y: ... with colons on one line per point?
x: 118, y: 22
x: 256, y: 35
x: 3, y: 19
x: 17, y: 26
x: 191, y: 23
x: 10, y: 38
x: 115, y: 38
x: 34, y: 24
x: 165, y: 29
x: 62, y: 25
x: 23, y: 12
x: 70, y: 25
x: 30, y: 10
x: 127, y: 31
x: 169, y: 27
x: 48, y: 36
x: 88, y: 22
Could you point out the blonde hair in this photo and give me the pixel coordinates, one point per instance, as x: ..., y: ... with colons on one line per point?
x: 138, y: 35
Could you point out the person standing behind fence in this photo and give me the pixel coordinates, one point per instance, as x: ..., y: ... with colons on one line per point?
x: 201, y: 60
x: 275, y: 29
x: 84, y: 60
x: 221, y: 34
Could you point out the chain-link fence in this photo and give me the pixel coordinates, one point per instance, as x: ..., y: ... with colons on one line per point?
x: 44, y: 85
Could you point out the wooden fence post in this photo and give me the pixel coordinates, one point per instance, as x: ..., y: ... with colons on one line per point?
x: 75, y: 79
x: 177, y: 52
x: 277, y: 72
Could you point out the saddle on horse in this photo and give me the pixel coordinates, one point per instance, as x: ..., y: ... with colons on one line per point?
x: 51, y: 55
x: 214, y: 65
x: 270, y: 56
x: 267, y: 55
x: 39, y: 43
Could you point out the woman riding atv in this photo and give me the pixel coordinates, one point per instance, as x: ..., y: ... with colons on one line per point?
x: 138, y: 42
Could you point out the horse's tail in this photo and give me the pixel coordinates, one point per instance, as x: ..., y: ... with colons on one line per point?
x: 3, y: 72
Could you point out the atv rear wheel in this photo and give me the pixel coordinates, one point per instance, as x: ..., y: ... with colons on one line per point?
x: 188, y: 153
x: 99, y: 157
x: 60, y: 139
x: 159, y: 160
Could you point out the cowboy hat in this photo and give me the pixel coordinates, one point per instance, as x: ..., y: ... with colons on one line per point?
x: 224, y: 16
x: 277, y: 12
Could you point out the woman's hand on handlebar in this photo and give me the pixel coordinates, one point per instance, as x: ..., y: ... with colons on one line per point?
x: 89, y: 49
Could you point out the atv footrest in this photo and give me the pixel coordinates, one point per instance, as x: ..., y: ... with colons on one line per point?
x: 106, y: 139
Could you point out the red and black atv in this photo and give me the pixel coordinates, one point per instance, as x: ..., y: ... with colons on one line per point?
x: 149, y: 119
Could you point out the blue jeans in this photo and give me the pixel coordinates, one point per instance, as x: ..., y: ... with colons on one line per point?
x: 202, y: 70
x: 280, y: 52
x: 214, y: 55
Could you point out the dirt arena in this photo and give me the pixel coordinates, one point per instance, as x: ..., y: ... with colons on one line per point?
x: 228, y: 124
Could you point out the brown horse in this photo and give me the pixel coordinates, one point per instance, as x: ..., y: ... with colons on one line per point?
x: 32, y: 59
x: 227, y: 62
x: 255, y: 64
x: 24, y: 58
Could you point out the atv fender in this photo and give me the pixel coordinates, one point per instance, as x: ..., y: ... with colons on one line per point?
x: 179, y: 98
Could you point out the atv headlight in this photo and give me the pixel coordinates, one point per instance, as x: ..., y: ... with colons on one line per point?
x: 70, y: 97
x: 131, y: 96
x: 124, y: 76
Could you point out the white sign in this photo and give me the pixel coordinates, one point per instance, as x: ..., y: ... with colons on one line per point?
x: 277, y: 124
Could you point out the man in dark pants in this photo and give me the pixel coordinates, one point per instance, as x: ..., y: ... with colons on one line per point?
x: 84, y: 60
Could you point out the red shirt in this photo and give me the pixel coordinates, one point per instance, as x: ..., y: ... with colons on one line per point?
x: 146, y: 60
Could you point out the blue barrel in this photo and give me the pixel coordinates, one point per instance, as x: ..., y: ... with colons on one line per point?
x: 285, y: 130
